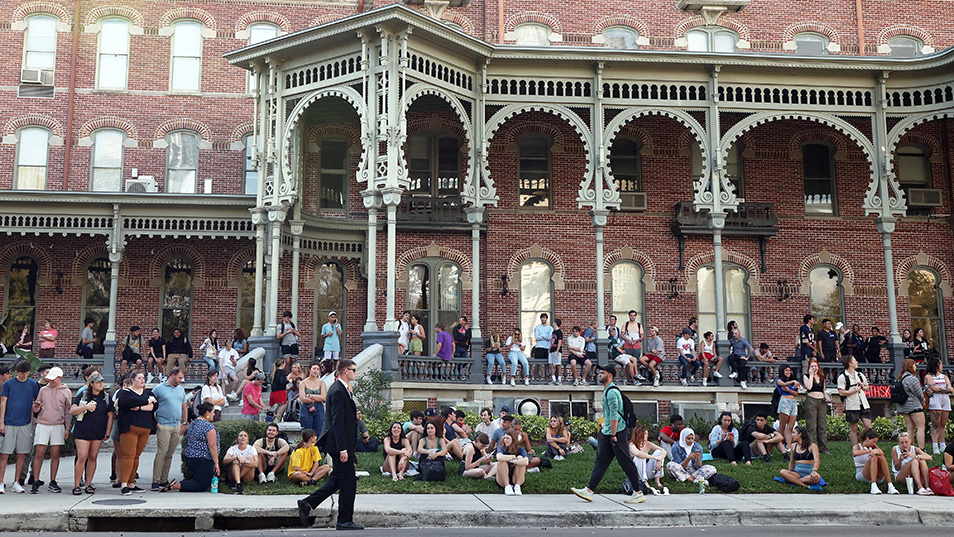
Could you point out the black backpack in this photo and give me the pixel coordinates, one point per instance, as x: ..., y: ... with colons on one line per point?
x: 629, y: 416
x: 898, y: 394
x: 776, y: 397
x: 724, y: 483
x: 432, y: 469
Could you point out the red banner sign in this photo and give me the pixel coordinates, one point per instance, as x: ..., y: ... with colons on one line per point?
x: 878, y: 392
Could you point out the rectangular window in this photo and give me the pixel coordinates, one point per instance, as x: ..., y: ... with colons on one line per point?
x: 534, y: 172
x: 40, y: 46
x: 251, y: 174
x: 182, y: 162
x: 107, y: 161
x: 334, y: 155
x: 186, y: 56
x: 258, y: 33
x: 419, y: 164
x: 113, y: 65
x: 32, y: 154
x: 819, y: 176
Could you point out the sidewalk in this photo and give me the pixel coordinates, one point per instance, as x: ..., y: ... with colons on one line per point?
x: 108, y: 511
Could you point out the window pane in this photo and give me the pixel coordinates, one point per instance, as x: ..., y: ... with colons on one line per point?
x: 448, y: 279
x: 181, y: 182
x: 705, y: 289
x: 107, y: 180
x: 418, y: 281
x: 22, y: 290
x: 725, y: 41
x: 533, y: 35
x: 825, y: 294
x: 251, y: 174
x: 913, y: 166
x: 114, y: 37
x: 177, y: 297
x: 922, y: 293
x: 621, y: 38
x: 816, y: 161
x: 330, y: 287
x: 627, y: 289
x: 261, y: 32
x: 534, y: 294
x: 736, y: 292
x: 181, y: 162
x: 40, y: 43
x: 31, y: 178
x: 185, y: 74
x: 112, y: 70
x: 904, y: 47
x: 34, y: 146
x: 698, y: 41
x: 108, y: 149
x: 40, y: 60
x: 810, y: 44
x: 187, y: 40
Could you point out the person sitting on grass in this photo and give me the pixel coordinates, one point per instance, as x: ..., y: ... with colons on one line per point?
x: 763, y: 438
x: 686, y: 462
x: 305, y: 466
x: 804, y: 461
x: 523, y: 439
x: 242, y: 460
x: 414, y: 428
x: 506, y: 423
x: 669, y: 435
x: 558, y: 439
x: 477, y: 463
x: 272, y: 453
x: 365, y: 443
x: 871, y: 465
x: 911, y: 461
x: 452, y: 434
x: 512, y: 464
x: 432, y: 446
x: 724, y: 442
x: 949, y: 461
x: 397, y: 452
x: 649, y: 458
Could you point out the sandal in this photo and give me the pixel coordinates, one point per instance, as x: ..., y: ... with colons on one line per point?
x: 90, y: 489
x: 77, y: 491
x: 168, y: 486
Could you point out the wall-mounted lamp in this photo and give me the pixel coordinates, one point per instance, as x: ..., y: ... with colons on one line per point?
x: 673, y: 290
x: 58, y: 283
x: 783, y: 290
x: 505, y: 279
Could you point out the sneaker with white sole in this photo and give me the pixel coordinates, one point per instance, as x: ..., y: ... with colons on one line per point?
x: 233, y: 396
x: 733, y: 375
x: 558, y: 458
x: 891, y: 489
x: 489, y: 381
x: 640, y: 377
x: 18, y: 488
x: 534, y: 470
x: 517, y: 491
x: 637, y: 497
x: 261, y: 478
x: 744, y: 385
x: 508, y: 490
x: 2, y: 488
x: 513, y: 382
x: 875, y: 489
x: 656, y: 382
x: 583, y: 493
x: 149, y: 378
x: 526, y: 381
x: 704, y: 383
x: 717, y: 375
x: 270, y: 477
x: 684, y: 382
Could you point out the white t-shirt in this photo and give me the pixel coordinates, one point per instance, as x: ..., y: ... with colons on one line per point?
x: 686, y: 345
x: 708, y: 347
x: 576, y: 342
x: 516, y: 346
x: 404, y: 331
x: 488, y: 429
x: 212, y: 392
x: 246, y: 453
x: 225, y: 358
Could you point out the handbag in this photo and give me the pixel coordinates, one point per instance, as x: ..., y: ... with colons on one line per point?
x: 432, y: 469
x: 941, y: 482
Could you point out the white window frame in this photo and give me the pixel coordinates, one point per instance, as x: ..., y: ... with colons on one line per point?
x: 93, y: 165
x: 198, y: 141
x: 101, y: 53
x: 254, y: 40
x: 46, y: 159
x: 918, y: 46
x: 519, y: 35
x: 711, y: 32
x: 941, y: 344
x: 833, y: 180
x: 195, y: 54
x: 630, y: 29
x: 30, y: 29
x: 809, y: 37
x: 248, y: 167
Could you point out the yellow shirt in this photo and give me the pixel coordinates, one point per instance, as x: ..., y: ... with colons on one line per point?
x: 304, y: 458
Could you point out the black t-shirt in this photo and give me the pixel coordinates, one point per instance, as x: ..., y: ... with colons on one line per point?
x: 873, y: 349
x: 462, y: 336
x: 156, y: 346
x: 829, y: 343
x: 806, y: 333
x: 950, y: 449
x: 280, y: 380
x: 557, y: 336
x: 751, y: 427
x: 93, y: 424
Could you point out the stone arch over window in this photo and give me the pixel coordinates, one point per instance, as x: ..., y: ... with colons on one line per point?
x: 108, y: 122
x: 465, y: 23
x: 84, y: 257
x: 697, y: 22
x: 159, y: 259
x: 728, y: 256
x: 237, y: 138
x: 93, y: 18
x: 23, y: 11
x: 537, y: 252
x: 435, y: 251
x: 28, y: 248
x: 642, y: 30
x: 171, y: 17
x: 908, y: 30
x: 530, y: 17
x: 825, y: 136
x: 352, y: 273
x: 627, y: 253
x: 183, y: 124
x: 815, y: 27
x: 925, y: 261
x: 33, y: 120
x: 826, y: 258
x: 246, y: 20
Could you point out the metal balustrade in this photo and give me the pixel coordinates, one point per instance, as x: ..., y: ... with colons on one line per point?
x: 73, y: 367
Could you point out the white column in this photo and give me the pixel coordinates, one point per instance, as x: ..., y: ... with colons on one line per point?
x: 475, y: 215
x: 599, y: 223
x: 372, y: 200
x: 391, y: 198
x: 116, y: 243
x: 886, y: 228
x: 718, y: 280
x: 296, y: 229
x: 258, y: 219
x: 276, y: 215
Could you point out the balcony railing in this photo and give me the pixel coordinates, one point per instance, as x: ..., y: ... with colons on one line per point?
x: 750, y: 220
x: 431, y: 212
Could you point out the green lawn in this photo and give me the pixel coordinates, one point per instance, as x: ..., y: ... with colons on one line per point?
x: 837, y: 469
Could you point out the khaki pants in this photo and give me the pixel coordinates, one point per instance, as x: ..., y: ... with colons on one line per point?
x: 167, y: 438
x: 175, y: 360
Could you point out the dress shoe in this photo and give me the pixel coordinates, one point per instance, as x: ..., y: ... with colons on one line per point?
x: 348, y: 526
x: 303, y: 511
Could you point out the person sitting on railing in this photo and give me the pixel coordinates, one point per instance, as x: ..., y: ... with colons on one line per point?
x: 762, y: 437
x: 515, y: 351
x: 462, y: 335
x: 711, y: 362
x: 492, y: 350
x: 871, y: 466
x: 852, y: 385
x: 685, y: 346
x: 577, y: 345
x: 806, y: 338
x: 764, y: 354
x: 739, y: 357
x: 655, y: 354
x: 816, y: 404
x: 724, y: 442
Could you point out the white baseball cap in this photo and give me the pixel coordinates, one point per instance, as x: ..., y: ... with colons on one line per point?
x: 839, y: 325
x: 53, y: 373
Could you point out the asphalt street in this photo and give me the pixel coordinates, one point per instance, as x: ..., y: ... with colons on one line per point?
x: 724, y: 531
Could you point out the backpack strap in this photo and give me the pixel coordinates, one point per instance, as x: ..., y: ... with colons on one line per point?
x: 621, y: 413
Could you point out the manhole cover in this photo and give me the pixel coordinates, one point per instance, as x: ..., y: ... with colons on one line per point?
x: 118, y: 502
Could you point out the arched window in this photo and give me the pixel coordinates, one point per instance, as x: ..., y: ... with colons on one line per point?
x: 33, y: 150
x: 113, y: 67
x: 20, y: 306
x: 627, y: 290
x: 96, y: 299
x: 333, y: 177
x: 182, y: 162
x: 626, y: 164
x: 246, y: 301
x: 330, y: 295
x: 176, y: 307
x: 620, y: 37
x: 536, y: 295
x: 811, y: 44
x: 711, y: 39
x: 533, y: 169
x: 257, y: 33
x: 818, y: 170
x: 186, y: 56
x: 250, y: 173
x: 736, y: 289
x: 442, y: 306
x: 924, y: 296
x: 827, y: 295
x: 533, y: 34
x: 905, y: 46
x: 107, y: 165
x: 434, y: 164
x: 39, y: 43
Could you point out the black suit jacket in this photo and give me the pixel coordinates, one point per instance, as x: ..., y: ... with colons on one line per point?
x: 340, y: 429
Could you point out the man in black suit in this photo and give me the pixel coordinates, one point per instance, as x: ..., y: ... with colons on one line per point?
x: 338, y: 438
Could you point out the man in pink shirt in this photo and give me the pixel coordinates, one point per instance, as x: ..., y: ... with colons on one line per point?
x: 252, y: 397
x: 52, y: 426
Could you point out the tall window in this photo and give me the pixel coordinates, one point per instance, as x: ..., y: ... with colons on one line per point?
x: 827, y: 295
x: 250, y: 173
x: 536, y: 295
x: 186, y: 56
x: 533, y: 34
x: 40, y: 43
x: 257, y: 33
x: 246, y: 303
x: 33, y: 148
x: 811, y: 44
x: 182, y: 162
x: 626, y: 163
x: 434, y: 164
x: 333, y: 179
x: 905, y: 46
x: 442, y: 305
x: 534, y: 171
x: 736, y: 289
x: 330, y: 294
x: 925, y: 299
x: 20, y: 307
x: 176, y: 307
x: 734, y: 168
x: 711, y: 40
x: 620, y: 37
x: 113, y: 68
x: 107, y: 166
x: 627, y: 290
x: 818, y: 169
x: 96, y: 299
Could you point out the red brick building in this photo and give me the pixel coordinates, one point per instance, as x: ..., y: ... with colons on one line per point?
x: 530, y: 157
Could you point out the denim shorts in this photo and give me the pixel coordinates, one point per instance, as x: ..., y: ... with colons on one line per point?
x: 788, y: 406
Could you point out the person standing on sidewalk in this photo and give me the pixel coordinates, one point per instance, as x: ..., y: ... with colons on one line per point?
x: 172, y: 418
x: 338, y: 438
x: 612, y: 440
x: 52, y: 426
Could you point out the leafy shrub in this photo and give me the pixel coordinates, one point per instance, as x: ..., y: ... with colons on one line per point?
x: 472, y: 419
x: 378, y: 428
x: 228, y: 434
x: 582, y: 428
x: 535, y: 427
x: 837, y: 428
x: 886, y: 428
x: 369, y: 394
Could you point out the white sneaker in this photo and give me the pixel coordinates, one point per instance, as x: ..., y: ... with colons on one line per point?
x: 533, y: 470
x: 583, y: 493
x: 18, y: 488
x: 875, y: 489
x: 891, y: 489
x: 743, y: 385
x: 162, y: 378
x: 583, y: 383
x: 935, y: 449
x: 513, y: 382
x: 1, y: 488
x: 508, y: 490
x: 717, y: 375
x: 489, y: 381
x: 261, y: 477
x: 684, y: 382
x: 576, y: 382
x: 526, y: 381
x: 637, y: 497
x: 704, y: 383
x: 233, y: 396
x: 733, y: 374
x: 656, y: 382
x: 558, y: 458
x: 149, y: 378
x: 517, y: 491
x: 270, y: 477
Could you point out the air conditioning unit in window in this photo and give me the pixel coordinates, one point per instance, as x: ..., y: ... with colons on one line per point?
x: 141, y: 184
x: 632, y: 201
x: 37, y: 76
x: 924, y: 197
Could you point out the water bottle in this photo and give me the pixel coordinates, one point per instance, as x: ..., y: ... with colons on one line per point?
x: 215, y: 485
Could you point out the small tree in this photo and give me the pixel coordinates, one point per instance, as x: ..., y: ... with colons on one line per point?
x: 369, y: 394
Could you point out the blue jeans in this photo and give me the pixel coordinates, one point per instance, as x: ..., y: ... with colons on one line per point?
x: 202, y: 470
x: 495, y: 357
x: 312, y: 421
x: 519, y: 357
x: 213, y: 364
x: 688, y: 368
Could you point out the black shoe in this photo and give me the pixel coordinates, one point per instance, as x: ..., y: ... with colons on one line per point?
x: 303, y: 511
x: 786, y: 457
x: 156, y: 487
x: 126, y: 491
x: 767, y: 458
x: 54, y: 487
x: 34, y: 489
x: 137, y: 489
x: 239, y: 489
x: 348, y: 526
